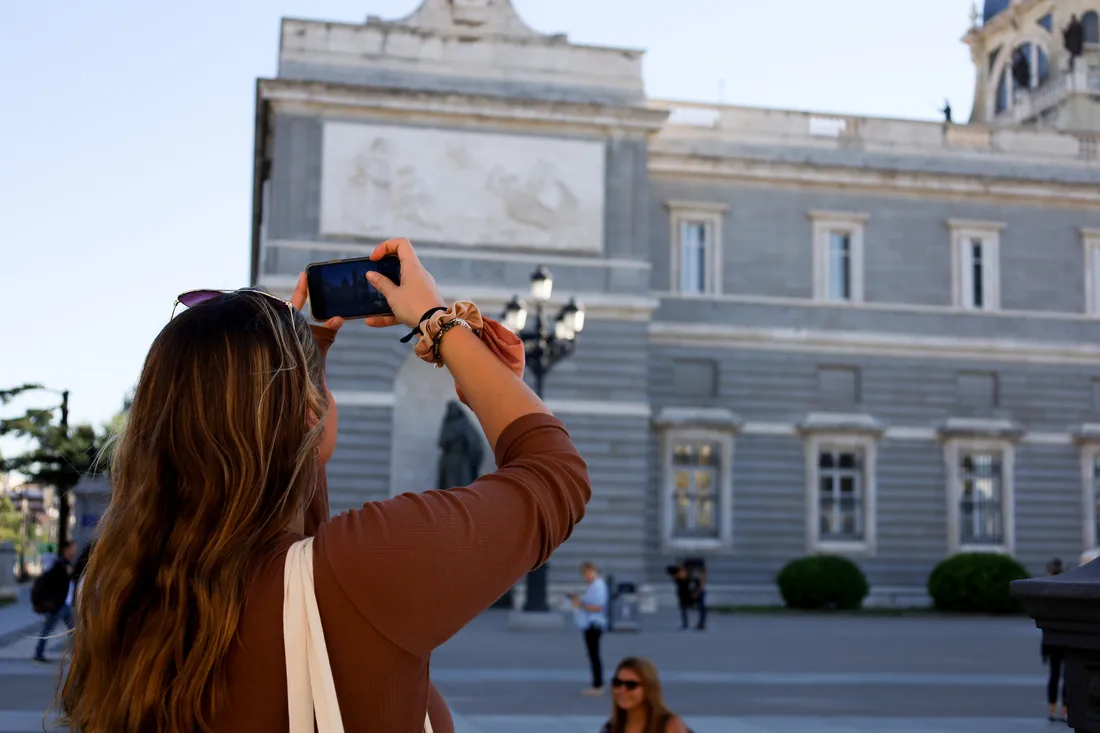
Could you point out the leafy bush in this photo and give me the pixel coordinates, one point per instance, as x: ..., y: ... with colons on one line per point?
x: 975, y: 582
x: 822, y: 581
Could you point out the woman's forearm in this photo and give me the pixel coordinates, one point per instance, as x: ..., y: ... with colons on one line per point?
x: 496, y: 395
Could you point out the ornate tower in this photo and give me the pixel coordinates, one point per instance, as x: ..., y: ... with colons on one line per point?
x: 1025, y: 73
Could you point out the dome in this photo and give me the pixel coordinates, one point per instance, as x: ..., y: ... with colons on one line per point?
x: 993, y: 7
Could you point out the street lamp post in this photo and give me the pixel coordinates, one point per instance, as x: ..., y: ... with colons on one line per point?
x: 63, y: 498
x: 24, y: 534
x: 545, y: 343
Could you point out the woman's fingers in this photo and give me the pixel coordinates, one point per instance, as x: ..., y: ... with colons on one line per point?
x: 401, y: 247
x: 301, y: 292
x: 381, y: 321
x: 335, y: 323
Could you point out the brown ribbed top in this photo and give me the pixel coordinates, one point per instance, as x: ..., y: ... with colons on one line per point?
x: 397, y: 578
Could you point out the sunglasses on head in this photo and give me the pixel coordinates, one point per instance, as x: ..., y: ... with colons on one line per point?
x: 629, y: 685
x: 195, y: 297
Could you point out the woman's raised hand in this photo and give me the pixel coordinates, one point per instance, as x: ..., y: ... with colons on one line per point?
x: 298, y: 300
x: 417, y: 293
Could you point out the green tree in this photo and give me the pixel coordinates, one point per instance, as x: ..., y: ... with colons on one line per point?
x: 11, y: 522
x: 57, y: 455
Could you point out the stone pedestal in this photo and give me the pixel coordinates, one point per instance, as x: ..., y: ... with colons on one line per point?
x: 8, y: 591
x: 536, y: 621
x: 1066, y: 608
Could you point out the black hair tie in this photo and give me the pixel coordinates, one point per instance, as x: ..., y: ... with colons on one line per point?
x: 416, y: 331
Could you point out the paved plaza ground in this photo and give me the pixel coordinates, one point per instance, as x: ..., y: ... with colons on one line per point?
x: 762, y: 673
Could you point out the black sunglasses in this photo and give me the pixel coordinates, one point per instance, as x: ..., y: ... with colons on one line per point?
x: 630, y: 685
x: 194, y: 297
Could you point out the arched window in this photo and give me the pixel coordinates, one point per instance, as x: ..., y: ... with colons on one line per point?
x: 1091, y: 23
x: 1038, y: 67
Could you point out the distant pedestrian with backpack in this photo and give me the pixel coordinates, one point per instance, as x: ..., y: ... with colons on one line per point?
x: 51, y: 596
x: 637, y: 705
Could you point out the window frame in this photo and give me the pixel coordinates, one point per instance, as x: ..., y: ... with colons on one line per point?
x: 699, y: 430
x: 1090, y: 242
x: 711, y: 214
x: 954, y: 449
x: 964, y: 232
x: 1089, y: 442
x: 867, y: 442
x: 824, y: 225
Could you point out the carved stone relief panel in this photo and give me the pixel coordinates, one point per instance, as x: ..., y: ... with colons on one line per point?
x: 465, y: 188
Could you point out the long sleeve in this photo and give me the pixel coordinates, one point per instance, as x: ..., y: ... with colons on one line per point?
x: 317, y: 513
x: 419, y: 567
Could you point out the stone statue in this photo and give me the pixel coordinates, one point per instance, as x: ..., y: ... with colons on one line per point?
x: 462, y: 452
x: 1074, y: 38
x: 1021, y: 69
x: 946, y: 111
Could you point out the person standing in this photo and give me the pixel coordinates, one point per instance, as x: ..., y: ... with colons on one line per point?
x: 1052, y: 656
x: 54, y: 598
x: 699, y: 597
x: 590, y: 616
x: 684, y: 593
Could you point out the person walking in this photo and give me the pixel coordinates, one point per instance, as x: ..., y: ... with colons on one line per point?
x: 217, y: 556
x: 590, y: 616
x: 52, y: 596
x: 1052, y: 657
x: 637, y: 705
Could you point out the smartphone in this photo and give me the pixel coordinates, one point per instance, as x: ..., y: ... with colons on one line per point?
x: 340, y: 287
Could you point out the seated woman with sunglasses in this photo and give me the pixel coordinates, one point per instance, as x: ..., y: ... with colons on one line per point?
x: 219, y: 471
x: 637, y: 705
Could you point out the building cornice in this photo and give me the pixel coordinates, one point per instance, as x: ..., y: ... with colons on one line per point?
x: 669, y: 164
x: 492, y: 254
x: 697, y: 335
x: 345, y: 100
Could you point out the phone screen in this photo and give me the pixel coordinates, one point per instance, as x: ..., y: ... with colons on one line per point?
x: 340, y: 288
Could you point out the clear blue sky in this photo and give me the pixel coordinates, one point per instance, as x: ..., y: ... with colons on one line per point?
x: 126, y: 137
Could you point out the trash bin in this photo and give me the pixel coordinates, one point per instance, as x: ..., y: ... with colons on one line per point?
x: 626, y: 608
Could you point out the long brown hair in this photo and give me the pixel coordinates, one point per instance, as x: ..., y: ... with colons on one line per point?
x: 217, y: 459
x: 657, y: 715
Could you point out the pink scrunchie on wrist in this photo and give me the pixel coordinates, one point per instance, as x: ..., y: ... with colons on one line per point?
x: 504, y: 344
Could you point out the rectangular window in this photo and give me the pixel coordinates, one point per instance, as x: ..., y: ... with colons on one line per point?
x: 839, y: 266
x: 981, y: 502
x: 1090, y: 238
x: 694, y: 244
x: 838, y: 256
x: 977, y: 275
x: 696, y: 472
x: 840, y: 495
x: 1096, y: 496
x: 695, y: 257
x: 976, y: 264
x: 1095, y: 254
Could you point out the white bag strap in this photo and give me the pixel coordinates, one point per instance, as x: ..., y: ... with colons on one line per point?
x: 309, y: 684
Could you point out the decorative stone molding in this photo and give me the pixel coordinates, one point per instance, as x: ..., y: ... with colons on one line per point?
x: 980, y: 429
x: 349, y: 102
x: 1086, y: 434
x: 716, y: 418
x: 841, y: 423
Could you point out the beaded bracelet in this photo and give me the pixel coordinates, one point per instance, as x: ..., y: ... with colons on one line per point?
x: 439, y: 337
x: 463, y: 313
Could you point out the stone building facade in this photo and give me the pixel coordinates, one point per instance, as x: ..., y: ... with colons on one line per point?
x: 806, y: 333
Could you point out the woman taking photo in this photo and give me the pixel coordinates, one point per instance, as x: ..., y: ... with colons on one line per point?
x: 220, y: 470
x: 637, y: 705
